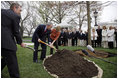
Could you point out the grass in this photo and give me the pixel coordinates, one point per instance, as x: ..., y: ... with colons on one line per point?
x: 27, y: 38
x: 27, y: 41
x: 28, y: 69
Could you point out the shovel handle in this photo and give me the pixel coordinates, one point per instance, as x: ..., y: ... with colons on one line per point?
x: 46, y: 44
x: 43, y: 42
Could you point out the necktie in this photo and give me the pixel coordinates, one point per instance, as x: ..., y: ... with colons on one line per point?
x: 45, y: 31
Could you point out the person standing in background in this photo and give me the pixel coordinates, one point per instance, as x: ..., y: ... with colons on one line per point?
x: 84, y: 38
x: 10, y: 19
x: 81, y: 38
x: 110, y: 34
x: 73, y: 34
x: 62, y: 37
x: 59, y: 39
x: 104, y: 37
x: 86, y: 35
x: 99, y: 38
x: 65, y: 37
x: 115, y: 35
x: 94, y: 37
x: 78, y: 36
x: 69, y: 37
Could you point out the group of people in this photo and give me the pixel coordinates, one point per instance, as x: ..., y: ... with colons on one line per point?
x: 10, y: 35
x: 104, y: 37
x: 99, y: 37
x: 72, y: 37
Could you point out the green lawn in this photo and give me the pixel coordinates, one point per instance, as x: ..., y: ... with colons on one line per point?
x: 28, y: 69
x: 27, y: 38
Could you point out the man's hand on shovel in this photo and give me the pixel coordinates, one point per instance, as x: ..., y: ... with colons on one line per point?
x: 23, y: 45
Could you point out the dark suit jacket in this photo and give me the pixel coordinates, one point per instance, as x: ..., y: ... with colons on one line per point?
x: 86, y: 36
x: 73, y: 35
x: 69, y: 35
x: 65, y: 35
x: 99, y: 32
x: 83, y: 36
x: 40, y: 33
x: 78, y: 34
x: 10, y: 29
x: 115, y: 35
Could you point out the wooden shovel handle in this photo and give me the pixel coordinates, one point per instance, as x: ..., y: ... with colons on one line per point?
x: 46, y: 44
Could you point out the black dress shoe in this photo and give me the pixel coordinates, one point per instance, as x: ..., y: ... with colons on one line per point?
x: 42, y: 59
x: 35, y: 61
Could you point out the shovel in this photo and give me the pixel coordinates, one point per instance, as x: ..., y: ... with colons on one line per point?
x: 32, y: 48
x: 47, y: 44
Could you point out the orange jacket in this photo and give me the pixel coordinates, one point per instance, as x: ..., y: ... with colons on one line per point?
x: 54, y: 34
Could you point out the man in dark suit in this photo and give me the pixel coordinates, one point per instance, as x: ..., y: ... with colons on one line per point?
x: 78, y: 36
x: 9, y: 36
x: 73, y: 34
x: 99, y: 38
x: 62, y: 37
x: 41, y: 32
x: 65, y: 37
x: 86, y: 37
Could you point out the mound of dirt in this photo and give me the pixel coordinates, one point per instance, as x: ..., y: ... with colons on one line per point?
x: 67, y: 64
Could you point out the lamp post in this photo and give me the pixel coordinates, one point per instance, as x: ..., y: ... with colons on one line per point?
x: 95, y: 15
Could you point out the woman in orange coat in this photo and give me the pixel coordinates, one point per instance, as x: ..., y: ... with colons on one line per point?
x: 55, y: 33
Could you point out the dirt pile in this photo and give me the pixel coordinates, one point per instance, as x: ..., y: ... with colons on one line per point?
x: 67, y: 64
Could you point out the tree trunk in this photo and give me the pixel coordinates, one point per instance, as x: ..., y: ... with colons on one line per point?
x: 60, y: 12
x: 89, y: 23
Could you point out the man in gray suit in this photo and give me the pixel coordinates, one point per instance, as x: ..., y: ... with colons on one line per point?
x: 10, y: 34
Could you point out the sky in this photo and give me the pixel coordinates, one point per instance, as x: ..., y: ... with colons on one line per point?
x: 109, y: 13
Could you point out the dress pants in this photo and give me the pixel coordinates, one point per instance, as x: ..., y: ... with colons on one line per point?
x: 99, y: 39
x: 73, y: 42
x: 94, y: 43
x: 9, y: 58
x: 65, y: 41
x: 110, y: 44
x: 43, y: 52
x: 76, y: 41
x: 69, y: 42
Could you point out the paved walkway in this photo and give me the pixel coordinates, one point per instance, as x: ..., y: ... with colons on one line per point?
x: 29, y: 43
x: 27, y: 40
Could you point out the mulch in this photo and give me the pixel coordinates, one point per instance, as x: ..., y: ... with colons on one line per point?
x: 67, y: 64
